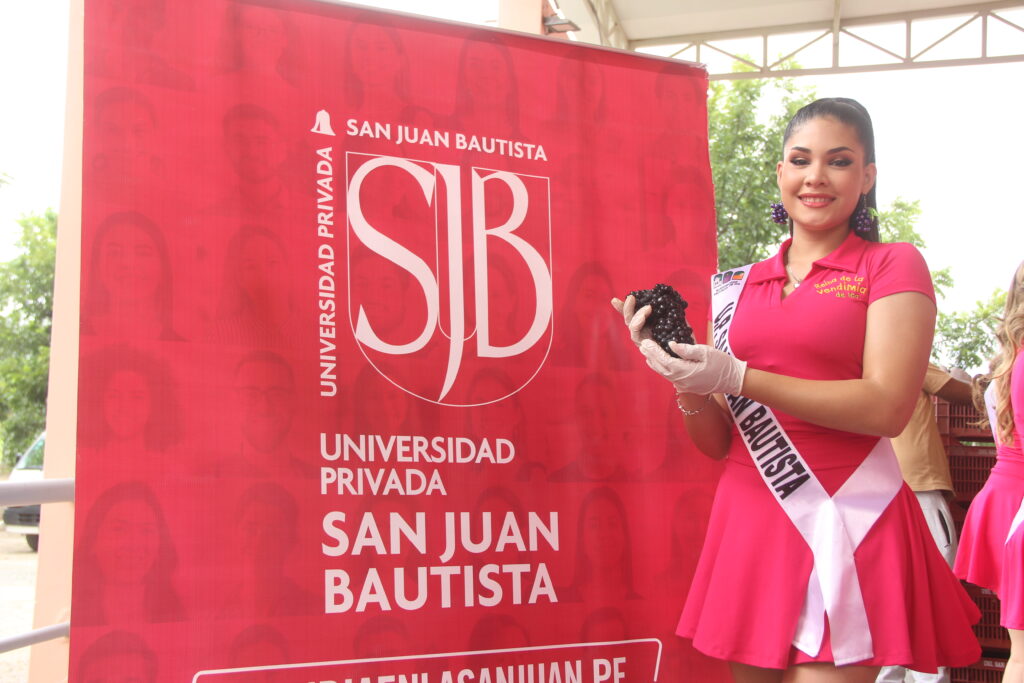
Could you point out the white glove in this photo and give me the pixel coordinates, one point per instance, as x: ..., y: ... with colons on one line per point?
x: 700, y: 369
x: 634, y: 319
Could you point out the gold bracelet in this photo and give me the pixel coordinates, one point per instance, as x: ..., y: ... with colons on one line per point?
x: 686, y: 411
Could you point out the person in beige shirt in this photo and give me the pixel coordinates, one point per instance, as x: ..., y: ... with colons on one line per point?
x: 925, y: 468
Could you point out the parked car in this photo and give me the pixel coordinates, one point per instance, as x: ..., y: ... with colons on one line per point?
x: 24, y: 519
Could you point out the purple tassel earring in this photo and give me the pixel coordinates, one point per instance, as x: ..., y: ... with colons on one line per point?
x: 862, y: 219
x: 778, y: 213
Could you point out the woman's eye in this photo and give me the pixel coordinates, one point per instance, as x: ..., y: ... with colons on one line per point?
x: 799, y: 161
x: 841, y: 162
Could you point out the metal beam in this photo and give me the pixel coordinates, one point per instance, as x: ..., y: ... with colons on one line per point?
x: 826, y: 24
x: 609, y: 27
x: 14, y: 493
x: 862, y: 69
x: 765, y: 66
x: 39, y: 635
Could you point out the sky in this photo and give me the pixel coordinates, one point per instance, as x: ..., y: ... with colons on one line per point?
x: 951, y: 138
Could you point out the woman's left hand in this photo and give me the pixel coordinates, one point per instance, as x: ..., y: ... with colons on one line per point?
x: 700, y: 369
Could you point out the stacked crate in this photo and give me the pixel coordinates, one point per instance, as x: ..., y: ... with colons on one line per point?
x: 971, y: 455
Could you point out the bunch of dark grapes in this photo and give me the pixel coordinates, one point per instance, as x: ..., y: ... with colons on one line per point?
x: 667, y: 321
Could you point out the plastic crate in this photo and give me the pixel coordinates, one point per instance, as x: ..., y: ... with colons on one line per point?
x: 969, y: 467
x: 963, y: 418
x: 985, y: 670
x: 991, y: 636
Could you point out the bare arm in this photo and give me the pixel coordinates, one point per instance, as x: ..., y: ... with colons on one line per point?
x: 710, y: 429
x: 896, y: 347
x: 955, y: 391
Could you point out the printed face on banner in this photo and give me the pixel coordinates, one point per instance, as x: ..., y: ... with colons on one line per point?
x: 352, y: 400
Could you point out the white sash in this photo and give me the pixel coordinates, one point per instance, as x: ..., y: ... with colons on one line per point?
x: 832, y: 526
x: 1015, y: 524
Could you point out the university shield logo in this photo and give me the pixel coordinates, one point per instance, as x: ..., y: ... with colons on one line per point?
x: 449, y: 276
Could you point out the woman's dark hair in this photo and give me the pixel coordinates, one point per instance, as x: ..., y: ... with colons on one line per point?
x: 584, y: 570
x: 122, y: 95
x: 381, y: 625
x: 487, y: 631
x: 272, y: 497
x: 852, y: 113
x: 599, y: 615
x: 110, y: 649
x: 572, y: 74
x: 162, y: 601
x: 353, y: 85
x: 464, y: 95
x: 258, y: 636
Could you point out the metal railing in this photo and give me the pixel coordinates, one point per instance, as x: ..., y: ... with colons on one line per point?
x: 15, y: 493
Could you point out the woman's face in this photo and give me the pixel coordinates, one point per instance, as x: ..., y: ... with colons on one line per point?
x: 261, y: 267
x: 485, y: 74
x: 255, y: 148
x: 589, y: 300
x: 608, y: 629
x: 604, y: 537
x: 125, y: 131
x: 382, y: 294
x: 265, y: 391
x: 493, y: 420
x: 261, y: 36
x: 127, y: 542
x: 387, y: 406
x: 131, y: 23
x: 376, y: 60
x: 677, y: 96
x: 687, y: 206
x: 604, y: 436
x: 130, y: 265
x: 823, y: 174
x: 591, y: 87
x: 265, y: 537
x: 509, y: 636
x: 126, y: 404
x: 499, y: 507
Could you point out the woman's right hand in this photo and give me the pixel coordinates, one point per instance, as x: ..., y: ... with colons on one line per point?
x: 634, y: 319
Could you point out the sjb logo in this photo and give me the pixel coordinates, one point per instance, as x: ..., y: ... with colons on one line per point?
x: 449, y: 275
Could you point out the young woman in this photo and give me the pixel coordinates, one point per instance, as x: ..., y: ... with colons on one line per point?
x: 818, y: 564
x: 991, y: 551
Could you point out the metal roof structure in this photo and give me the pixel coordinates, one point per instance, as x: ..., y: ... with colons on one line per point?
x: 798, y: 37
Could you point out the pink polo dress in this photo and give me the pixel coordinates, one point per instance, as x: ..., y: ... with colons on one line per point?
x: 990, y: 555
x: 753, y: 572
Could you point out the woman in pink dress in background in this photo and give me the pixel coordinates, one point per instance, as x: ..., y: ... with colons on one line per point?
x: 809, y: 572
x: 991, y: 553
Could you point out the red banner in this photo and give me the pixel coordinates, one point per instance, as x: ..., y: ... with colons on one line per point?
x: 353, y: 404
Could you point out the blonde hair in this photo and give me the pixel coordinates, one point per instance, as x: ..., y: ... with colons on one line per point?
x: 1010, y: 335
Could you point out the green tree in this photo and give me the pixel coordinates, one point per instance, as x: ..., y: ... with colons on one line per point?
x: 967, y: 339
x: 746, y: 122
x: 896, y: 224
x: 26, y: 311
x: 745, y: 140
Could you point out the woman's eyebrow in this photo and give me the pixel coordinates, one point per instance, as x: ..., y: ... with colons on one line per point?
x: 831, y: 151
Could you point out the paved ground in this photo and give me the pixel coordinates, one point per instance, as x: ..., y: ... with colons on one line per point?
x: 17, y: 596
